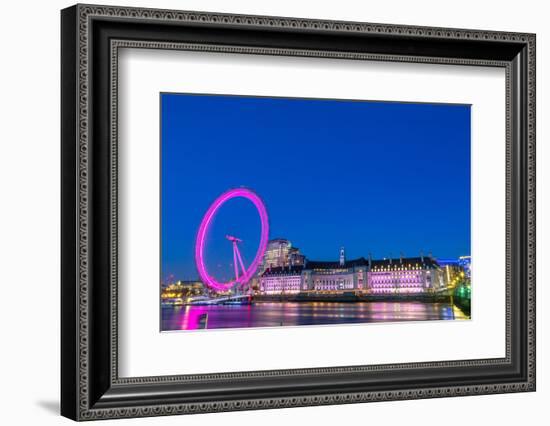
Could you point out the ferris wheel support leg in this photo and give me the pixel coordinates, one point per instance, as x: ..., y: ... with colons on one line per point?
x: 235, y: 253
x: 240, y: 259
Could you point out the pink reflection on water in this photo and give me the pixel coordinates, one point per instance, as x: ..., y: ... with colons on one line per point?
x: 195, y: 318
x: 271, y: 314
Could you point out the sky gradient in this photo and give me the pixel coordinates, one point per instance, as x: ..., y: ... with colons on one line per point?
x: 374, y: 177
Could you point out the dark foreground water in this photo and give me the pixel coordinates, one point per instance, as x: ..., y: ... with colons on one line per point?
x: 276, y: 314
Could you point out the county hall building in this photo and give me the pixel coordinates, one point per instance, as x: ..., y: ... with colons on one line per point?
x: 403, y: 275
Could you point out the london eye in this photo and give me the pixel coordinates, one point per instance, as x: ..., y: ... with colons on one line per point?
x: 243, y: 276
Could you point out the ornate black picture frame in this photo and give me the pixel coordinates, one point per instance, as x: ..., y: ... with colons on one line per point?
x: 90, y: 38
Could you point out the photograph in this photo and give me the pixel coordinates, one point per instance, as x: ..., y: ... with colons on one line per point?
x: 279, y: 211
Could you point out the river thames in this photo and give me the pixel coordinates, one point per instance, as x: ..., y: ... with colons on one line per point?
x: 276, y: 314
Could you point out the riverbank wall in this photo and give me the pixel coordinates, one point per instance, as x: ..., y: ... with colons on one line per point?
x: 350, y: 298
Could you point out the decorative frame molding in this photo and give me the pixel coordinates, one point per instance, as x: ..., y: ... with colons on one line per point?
x: 91, y: 37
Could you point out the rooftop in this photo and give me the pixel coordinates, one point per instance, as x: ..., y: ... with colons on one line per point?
x: 393, y: 263
x: 321, y: 264
x: 423, y: 261
x: 287, y: 270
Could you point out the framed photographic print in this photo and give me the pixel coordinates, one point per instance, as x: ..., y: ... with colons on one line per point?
x: 263, y: 212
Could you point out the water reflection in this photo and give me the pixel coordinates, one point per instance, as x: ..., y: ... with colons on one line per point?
x: 274, y: 314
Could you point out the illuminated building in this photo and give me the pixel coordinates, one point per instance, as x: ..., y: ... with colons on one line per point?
x: 412, y: 275
x: 281, y: 280
x: 182, y: 289
x: 405, y: 276
x: 466, y: 263
x: 456, y: 271
x: 340, y: 276
x: 280, y: 254
x: 186, y: 285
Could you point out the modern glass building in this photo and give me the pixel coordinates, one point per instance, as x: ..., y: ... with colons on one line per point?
x: 280, y: 253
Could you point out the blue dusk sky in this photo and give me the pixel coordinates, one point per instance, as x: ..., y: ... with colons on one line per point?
x: 373, y: 177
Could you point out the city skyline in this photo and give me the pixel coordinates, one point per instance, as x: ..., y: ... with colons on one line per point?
x: 393, y: 256
x: 374, y: 177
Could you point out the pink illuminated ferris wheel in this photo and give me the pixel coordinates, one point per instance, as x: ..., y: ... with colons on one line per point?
x: 246, y: 273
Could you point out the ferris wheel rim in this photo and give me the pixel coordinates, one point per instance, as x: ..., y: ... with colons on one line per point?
x: 205, y: 224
